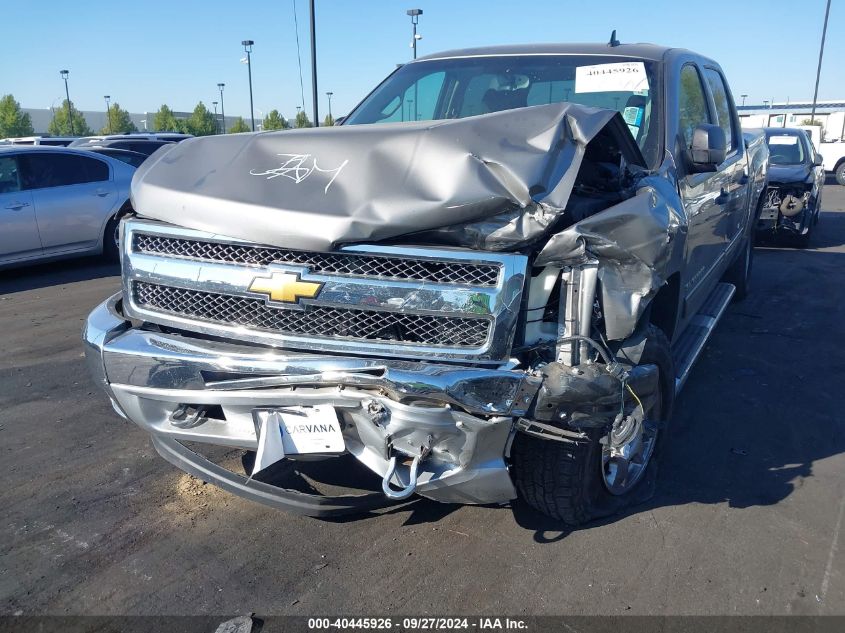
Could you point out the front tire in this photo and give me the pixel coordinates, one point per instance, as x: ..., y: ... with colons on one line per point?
x: 575, y: 482
x: 111, y: 240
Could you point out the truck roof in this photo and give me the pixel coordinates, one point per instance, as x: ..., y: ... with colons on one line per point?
x: 643, y: 51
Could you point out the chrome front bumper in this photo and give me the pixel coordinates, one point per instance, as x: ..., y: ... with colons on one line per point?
x: 460, y: 417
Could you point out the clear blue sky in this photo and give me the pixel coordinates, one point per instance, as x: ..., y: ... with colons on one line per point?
x: 147, y: 53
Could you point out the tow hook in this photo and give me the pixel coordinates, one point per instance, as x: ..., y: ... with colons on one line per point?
x: 187, y: 416
x: 407, y: 491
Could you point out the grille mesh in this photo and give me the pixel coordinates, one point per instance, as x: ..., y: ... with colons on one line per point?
x: 314, y: 321
x: 329, y: 263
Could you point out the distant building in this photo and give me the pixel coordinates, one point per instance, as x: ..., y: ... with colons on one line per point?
x: 831, y: 114
x: 97, y: 119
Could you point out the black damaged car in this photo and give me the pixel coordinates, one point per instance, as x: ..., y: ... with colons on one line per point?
x: 794, y: 195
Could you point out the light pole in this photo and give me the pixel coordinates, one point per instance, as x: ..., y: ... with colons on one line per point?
x: 744, y: 97
x: 329, y: 95
x: 108, y: 113
x: 415, y: 18
x: 64, y: 74
x: 314, y: 65
x: 216, y: 123
x: 247, y: 44
x: 819, y: 69
x: 222, y: 110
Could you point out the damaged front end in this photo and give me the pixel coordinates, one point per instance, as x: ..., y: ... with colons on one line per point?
x: 787, y: 207
x: 438, y: 287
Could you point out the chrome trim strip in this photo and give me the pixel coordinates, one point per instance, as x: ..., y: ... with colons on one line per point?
x: 143, y: 359
x: 336, y: 291
x: 343, y: 261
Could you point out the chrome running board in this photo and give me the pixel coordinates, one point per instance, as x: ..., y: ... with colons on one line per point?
x: 687, y: 349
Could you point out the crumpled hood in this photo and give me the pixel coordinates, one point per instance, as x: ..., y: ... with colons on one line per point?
x: 496, y: 182
x: 787, y: 174
x: 317, y: 188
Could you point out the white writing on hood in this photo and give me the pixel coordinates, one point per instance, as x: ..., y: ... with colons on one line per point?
x: 296, y: 167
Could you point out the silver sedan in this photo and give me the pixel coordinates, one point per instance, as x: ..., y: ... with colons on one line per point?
x: 57, y: 202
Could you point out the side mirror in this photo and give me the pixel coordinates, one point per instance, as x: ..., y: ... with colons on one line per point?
x: 818, y: 161
x: 339, y: 120
x: 708, y: 148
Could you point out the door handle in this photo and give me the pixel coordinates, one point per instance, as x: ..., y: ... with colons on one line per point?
x: 722, y: 198
x: 102, y: 193
x: 17, y: 205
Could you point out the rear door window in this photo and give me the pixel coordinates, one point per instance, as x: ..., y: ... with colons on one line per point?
x: 41, y: 171
x: 10, y: 181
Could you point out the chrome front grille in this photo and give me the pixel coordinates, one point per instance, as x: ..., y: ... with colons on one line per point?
x: 329, y: 263
x: 317, y: 321
x: 384, y: 301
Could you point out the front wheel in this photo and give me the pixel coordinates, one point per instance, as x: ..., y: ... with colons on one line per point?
x: 576, y: 482
x: 111, y: 240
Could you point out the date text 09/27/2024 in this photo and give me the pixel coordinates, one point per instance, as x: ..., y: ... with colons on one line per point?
x: 422, y: 624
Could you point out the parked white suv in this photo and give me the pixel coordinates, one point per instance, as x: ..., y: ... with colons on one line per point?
x: 833, y: 155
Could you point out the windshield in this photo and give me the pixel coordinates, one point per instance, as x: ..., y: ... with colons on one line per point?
x: 457, y: 88
x: 785, y: 149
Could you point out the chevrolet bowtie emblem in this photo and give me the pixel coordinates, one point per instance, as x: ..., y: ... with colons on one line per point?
x: 285, y: 287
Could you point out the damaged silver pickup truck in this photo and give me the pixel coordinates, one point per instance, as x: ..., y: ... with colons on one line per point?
x: 489, y: 282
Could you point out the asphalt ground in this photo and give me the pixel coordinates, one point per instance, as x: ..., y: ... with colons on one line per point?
x: 746, y: 520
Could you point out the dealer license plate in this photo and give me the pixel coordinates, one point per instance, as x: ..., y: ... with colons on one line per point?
x: 303, y: 429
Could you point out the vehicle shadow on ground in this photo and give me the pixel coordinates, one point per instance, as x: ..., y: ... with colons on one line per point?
x: 345, y: 475
x: 55, y: 274
x: 828, y: 233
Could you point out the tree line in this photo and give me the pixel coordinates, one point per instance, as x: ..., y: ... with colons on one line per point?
x: 15, y: 122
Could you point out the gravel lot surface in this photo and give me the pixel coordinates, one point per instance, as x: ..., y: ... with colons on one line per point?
x: 747, y: 519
